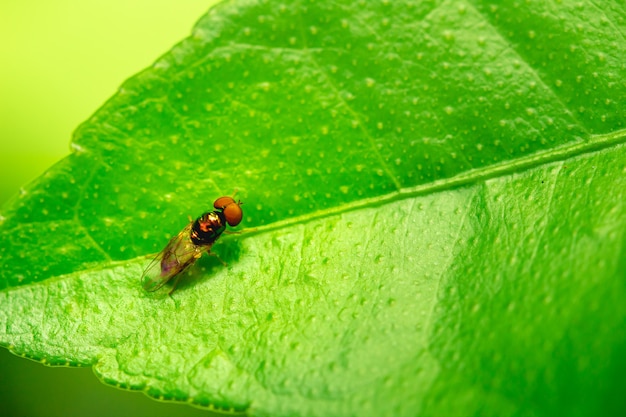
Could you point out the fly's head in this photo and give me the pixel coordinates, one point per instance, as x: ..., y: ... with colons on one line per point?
x: 231, y: 210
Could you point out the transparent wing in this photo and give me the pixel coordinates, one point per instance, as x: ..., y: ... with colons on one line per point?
x: 179, y: 253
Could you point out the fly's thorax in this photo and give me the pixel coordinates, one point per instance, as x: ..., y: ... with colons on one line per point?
x: 207, y: 228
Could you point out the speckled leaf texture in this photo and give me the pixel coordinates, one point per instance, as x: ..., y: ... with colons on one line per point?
x: 434, y: 215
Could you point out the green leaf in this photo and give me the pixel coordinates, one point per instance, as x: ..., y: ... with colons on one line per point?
x: 434, y: 215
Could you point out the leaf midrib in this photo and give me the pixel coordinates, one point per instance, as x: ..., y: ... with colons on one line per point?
x: 595, y: 143
x: 560, y: 153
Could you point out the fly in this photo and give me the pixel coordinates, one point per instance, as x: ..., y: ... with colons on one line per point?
x: 187, y: 246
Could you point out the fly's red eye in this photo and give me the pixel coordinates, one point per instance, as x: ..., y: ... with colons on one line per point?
x: 222, y: 202
x: 233, y: 213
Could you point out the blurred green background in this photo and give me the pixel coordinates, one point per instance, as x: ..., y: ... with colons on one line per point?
x: 60, y: 62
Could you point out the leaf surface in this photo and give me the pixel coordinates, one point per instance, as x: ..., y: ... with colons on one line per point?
x: 434, y: 216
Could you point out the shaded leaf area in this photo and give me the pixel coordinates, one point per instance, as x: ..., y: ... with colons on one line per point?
x: 505, y: 297
x: 305, y: 106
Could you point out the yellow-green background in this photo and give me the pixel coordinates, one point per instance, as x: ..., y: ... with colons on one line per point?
x: 60, y: 61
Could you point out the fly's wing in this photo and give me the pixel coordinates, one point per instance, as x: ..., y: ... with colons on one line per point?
x: 179, y: 253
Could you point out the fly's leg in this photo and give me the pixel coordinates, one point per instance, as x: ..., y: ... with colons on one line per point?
x: 218, y: 258
x: 178, y: 277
